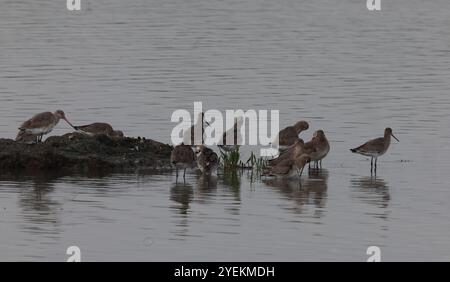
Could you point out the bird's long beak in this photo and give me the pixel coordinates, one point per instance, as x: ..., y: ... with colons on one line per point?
x: 70, y: 124
x: 395, y: 137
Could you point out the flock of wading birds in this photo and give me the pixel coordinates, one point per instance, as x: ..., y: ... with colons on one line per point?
x: 295, y: 153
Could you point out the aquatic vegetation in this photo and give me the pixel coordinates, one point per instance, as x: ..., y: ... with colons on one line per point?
x: 257, y: 164
x: 230, y: 161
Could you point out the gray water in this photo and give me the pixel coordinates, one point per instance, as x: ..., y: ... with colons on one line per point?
x: 132, y: 63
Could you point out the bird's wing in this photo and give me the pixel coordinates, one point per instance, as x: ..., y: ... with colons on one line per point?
x: 375, y: 145
x: 287, y: 136
x: 38, y: 121
x: 309, y: 148
x: 186, y: 154
x: 95, y: 127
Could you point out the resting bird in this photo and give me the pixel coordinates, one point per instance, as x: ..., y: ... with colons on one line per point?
x: 26, y: 138
x: 288, y: 136
x: 321, y: 147
x: 99, y: 128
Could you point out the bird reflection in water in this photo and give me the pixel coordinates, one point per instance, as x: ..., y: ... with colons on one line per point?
x: 206, y: 187
x: 374, y: 191
x: 182, y: 194
x: 309, y: 192
x: 232, y: 180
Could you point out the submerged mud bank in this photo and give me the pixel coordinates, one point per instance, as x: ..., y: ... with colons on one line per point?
x: 79, y: 153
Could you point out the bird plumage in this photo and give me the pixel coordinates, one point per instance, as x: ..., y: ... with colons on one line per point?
x: 183, y: 157
x: 207, y: 159
x: 41, y: 124
x: 99, y: 128
x: 288, y: 135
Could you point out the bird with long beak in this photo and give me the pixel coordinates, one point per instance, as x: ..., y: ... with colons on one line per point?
x: 42, y: 124
x: 376, y: 147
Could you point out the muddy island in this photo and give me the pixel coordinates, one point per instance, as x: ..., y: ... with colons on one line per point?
x: 75, y: 152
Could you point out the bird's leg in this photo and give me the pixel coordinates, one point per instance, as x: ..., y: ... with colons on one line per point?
x: 184, y: 174
x: 320, y: 164
x: 371, y: 165
x: 376, y: 163
x: 176, y: 172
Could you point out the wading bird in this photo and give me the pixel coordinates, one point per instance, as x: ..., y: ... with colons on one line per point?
x: 375, y: 148
x: 183, y: 157
x: 207, y: 159
x: 321, y: 148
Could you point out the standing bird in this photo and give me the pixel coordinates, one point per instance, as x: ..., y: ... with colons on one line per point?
x: 207, y: 159
x: 288, y: 136
x: 42, y: 124
x: 376, y: 147
x: 321, y: 147
x: 99, y: 128
x: 183, y: 157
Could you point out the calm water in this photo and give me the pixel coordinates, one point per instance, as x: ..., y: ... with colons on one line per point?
x: 333, y: 63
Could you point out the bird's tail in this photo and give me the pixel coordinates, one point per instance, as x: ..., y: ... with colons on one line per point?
x: 354, y: 150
